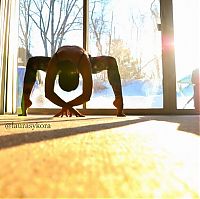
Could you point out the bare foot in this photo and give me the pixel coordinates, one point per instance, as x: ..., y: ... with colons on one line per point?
x: 25, y: 105
x: 121, y: 114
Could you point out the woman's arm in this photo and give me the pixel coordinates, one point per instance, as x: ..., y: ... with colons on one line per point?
x: 85, y: 70
x: 52, y: 71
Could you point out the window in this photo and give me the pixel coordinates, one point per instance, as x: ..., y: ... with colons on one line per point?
x: 138, y: 33
x: 186, y: 32
x: 129, y: 32
x: 43, y: 27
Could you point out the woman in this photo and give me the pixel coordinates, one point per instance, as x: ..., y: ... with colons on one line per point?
x: 68, y: 62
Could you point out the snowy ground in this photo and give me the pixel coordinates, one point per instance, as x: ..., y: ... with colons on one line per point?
x: 137, y: 94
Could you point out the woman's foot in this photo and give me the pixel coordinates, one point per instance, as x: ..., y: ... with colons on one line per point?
x: 26, y: 103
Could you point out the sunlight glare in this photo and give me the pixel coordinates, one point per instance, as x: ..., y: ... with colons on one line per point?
x: 186, y: 36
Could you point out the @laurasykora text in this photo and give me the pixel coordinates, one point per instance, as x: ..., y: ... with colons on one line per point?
x: 36, y: 125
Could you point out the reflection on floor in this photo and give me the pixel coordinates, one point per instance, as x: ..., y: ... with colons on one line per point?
x: 100, y: 156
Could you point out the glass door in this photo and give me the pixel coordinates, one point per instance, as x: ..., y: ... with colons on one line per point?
x: 187, y: 52
x: 139, y: 34
x: 130, y: 31
x: 44, y: 26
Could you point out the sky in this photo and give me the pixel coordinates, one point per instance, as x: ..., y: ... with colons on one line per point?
x: 186, y: 29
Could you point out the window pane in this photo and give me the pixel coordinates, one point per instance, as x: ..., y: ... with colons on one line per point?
x: 186, y: 32
x: 44, y: 27
x: 129, y: 32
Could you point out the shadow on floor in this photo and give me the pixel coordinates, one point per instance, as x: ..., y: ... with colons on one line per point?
x: 186, y: 123
x: 189, y: 123
x: 47, y: 119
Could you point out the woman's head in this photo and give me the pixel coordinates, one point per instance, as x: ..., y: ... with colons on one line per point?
x: 68, y: 75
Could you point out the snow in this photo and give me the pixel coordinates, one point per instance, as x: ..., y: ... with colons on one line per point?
x: 139, y: 93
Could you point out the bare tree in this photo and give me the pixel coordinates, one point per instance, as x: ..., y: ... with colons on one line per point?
x: 155, y: 12
x: 126, y: 63
x: 110, y: 35
x: 138, y: 23
x: 98, y: 26
x: 25, y: 26
x: 54, y: 19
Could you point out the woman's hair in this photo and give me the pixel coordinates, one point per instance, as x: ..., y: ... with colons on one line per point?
x: 68, y: 75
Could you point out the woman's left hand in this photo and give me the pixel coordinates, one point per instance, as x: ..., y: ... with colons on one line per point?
x: 68, y: 112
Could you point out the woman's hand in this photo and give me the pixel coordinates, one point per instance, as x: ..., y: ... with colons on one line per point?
x: 68, y: 112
